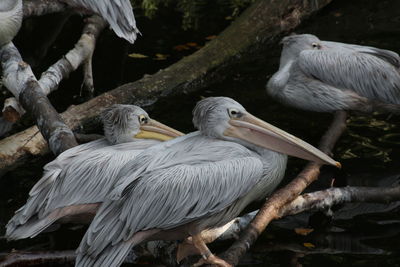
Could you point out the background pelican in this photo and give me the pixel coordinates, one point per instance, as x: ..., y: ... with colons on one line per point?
x: 199, y: 181
x: 75, y: 182
x: 10, y: 19
x: 118, y: 13
x: 328, y: 76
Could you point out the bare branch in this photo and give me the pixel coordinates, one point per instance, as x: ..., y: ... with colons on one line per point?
x: 17, y: 258
x: 42, y: 7
x: 20, y: 80
x: 82, y: 52
x: 322, y: 200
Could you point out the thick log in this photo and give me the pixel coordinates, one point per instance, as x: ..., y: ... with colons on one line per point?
x: 271, y: 209
x: 260, y: 25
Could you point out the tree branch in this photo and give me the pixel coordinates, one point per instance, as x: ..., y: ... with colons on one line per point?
x: 42, y: 7
x: 272, y: 208
x: 20, y: 80
x: 82, y: 52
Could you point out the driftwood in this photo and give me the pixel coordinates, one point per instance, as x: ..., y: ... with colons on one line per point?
x: 262, y: 24
x: 272, y: 209
x: 320, y: 200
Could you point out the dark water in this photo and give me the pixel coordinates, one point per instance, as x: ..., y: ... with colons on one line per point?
x: 357, y: 235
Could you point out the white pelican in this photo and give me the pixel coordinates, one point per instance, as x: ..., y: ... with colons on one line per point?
x: 10, y: 20
x: 118, y: 13
x: 79, y: 178
x: 192, y: 183
x: 328, y: 76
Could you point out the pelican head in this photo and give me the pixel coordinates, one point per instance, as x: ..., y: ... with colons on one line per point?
x: 294, y: 44
x: 224, y: 118
x: 126, y: 123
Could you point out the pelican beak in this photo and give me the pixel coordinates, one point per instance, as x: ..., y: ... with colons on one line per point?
x: 261, y: 133
x: 156, y: 130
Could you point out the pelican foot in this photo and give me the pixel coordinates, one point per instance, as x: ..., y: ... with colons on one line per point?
x: 185, y: 249
x: 207, y: 256
x: 213, y: 260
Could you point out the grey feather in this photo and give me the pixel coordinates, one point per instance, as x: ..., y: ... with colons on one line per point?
x: 118, y: 13
x: 199, y: 179
x: 10, y: 20
x: 328, y: 76
x: 83, y: 174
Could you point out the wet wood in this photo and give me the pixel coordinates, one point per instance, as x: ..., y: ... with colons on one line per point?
x: 271, y: 210
x: 262, y: 24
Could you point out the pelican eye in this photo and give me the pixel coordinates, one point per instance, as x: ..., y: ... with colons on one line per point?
x: 234, y: 113
x: 316, y: 45
x: 143, y: 119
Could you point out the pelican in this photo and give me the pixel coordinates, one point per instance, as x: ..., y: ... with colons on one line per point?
x: 118, y: 14
x: 10, y: 20
x: 199, y: 181
x: 328, y: 76
x: 77, y: 180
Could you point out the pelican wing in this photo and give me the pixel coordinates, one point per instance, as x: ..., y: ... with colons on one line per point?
x: 118, y: 13
x: 365, y: 73
x: 84, y: 180
x: 387, y: 55
x: 89, y: 178
x: 165, y: 198
x: 40, y: 190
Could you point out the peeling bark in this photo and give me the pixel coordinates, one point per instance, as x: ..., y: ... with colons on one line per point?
x: 262, y: 24
x: 12, y: 110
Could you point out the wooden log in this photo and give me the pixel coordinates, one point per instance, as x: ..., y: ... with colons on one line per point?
x: 260, y: 25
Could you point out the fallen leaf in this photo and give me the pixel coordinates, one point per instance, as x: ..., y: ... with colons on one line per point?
x: 181, y: 47
x: 210, y: 37
x: 161, y: 56
x: 136, y: 55
x: 303, y: 231
x: 308, y: 245
x: 191, y: 44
